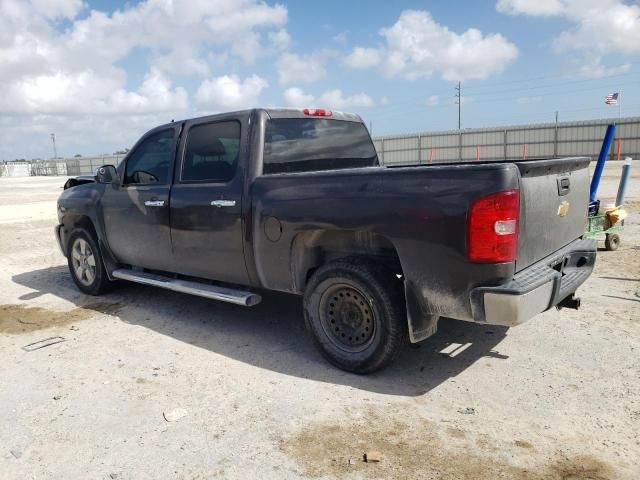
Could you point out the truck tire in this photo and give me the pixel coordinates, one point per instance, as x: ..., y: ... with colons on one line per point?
x: 612, y: 241
x: 354, y: 310
x: 85, y: 263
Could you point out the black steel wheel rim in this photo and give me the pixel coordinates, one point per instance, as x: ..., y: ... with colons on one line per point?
x: 347, y: 318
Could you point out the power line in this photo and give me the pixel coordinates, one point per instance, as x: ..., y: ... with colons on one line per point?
x: 384, y: 111
x: 585, y: 80
x: 560, y: 84
x: 548, y: 114
x: 492, y: 95
x: 497, y: 98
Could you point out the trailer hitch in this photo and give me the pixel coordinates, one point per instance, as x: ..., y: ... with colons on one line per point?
x: 571, y: 301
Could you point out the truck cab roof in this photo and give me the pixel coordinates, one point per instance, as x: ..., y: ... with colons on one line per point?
x: 275, y: 112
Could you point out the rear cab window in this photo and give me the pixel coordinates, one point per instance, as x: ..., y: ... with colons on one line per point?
x: 316, y: 144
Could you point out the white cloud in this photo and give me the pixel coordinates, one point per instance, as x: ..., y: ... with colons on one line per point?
x: 529, y: 7
x: 58, y: 8
x: 336, y: 99
x: 293, y: 68
x: 85, y: 134
x: 598, y: 70
x: 155, y: 95
x: 280, y: 39
x: 599, y: 26
x: 34, y: 53
x: 61, y: 63
x: 229, y: 92
x: 417, y: 46
x: 362, y: 57
x: 183, y: 60
x: 296, y: 97
x: 340, y: 37
x: 89, y: 93
x: 433, y: 100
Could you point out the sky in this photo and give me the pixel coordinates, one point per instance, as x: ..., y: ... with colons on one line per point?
x: 100, y: 73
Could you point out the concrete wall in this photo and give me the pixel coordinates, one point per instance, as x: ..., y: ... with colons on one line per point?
x: 15, y: 170
x: 68, y: 166
x: 507, y: 143
x: 89, y: 165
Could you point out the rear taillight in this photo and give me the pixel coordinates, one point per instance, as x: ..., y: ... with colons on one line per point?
x: 317, y: 112
x: 492, y: 227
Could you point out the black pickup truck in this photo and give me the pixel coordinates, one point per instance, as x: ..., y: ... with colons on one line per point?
x: 228, y: 205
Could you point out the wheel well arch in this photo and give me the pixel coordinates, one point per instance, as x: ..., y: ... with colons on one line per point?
x: 313, y: 248
x: 73, y: 221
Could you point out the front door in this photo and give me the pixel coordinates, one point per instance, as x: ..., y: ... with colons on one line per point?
x: 136, y: 211
x: 206, y: 201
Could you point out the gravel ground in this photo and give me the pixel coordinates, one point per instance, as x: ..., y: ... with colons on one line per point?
x: 557, y: 398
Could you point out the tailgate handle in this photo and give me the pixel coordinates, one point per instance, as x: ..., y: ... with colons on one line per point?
x: 563, y: 185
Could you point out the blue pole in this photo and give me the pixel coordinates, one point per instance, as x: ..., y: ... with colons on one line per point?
x: 622, y: 189
x: 606, y: 145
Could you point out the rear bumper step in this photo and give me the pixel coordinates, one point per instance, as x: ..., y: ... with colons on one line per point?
x: 213, y: 292
x: 548, y: 283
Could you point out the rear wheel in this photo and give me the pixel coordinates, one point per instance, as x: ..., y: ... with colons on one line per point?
x: 354, y: 310
x: 85, y: 263
x: 612, y: 241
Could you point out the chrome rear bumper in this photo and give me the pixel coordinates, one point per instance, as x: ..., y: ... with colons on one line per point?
x: 537, y: 288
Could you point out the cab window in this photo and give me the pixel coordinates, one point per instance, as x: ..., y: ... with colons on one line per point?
x: 211, y: 153
x: 149, y: 163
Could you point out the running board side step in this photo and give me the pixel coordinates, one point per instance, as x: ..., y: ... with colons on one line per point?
x: 213, y: 292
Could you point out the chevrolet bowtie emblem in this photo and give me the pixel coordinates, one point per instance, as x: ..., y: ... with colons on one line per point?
x: 563, y: 208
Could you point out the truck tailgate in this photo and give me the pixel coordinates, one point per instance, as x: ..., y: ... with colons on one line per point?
x: 554, y: 197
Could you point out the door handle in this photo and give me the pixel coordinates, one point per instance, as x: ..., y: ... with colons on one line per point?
x: 223, y: 203
x: 154, y: 203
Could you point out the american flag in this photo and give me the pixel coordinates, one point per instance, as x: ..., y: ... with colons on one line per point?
x: 612, y: 99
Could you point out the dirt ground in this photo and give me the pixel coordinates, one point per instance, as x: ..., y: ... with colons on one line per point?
x: 555, y: 398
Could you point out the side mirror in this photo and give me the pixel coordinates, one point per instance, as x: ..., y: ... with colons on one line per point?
x: 107, y: 174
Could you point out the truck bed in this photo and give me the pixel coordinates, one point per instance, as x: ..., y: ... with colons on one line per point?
x: 421, y: 213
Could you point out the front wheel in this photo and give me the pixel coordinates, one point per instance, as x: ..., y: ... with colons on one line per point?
x: 354, y: 310
x: 85, y: 263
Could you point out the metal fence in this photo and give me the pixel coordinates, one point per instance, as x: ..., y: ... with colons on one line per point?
x: 534, y: 141
x: 68, y: 166
x: 89, y: 165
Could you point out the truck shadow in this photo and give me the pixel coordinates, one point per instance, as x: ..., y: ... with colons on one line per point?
x: 272, y: 334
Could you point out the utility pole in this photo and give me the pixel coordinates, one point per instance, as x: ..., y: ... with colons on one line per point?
x: 458, y: 97
x: 555, y: 138
x: 55, y: 152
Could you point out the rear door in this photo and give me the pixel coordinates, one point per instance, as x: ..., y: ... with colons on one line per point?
x: 206, y: 200
x: 554, y: 197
